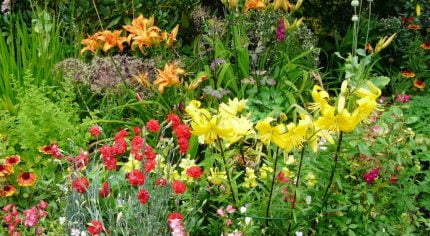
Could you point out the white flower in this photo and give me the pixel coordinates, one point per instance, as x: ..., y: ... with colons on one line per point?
x: 308, y: 200
x: 83, y: 233
x: 248, y: 220
x: 75, y: 232
x: 298, y: 233
x: 62, y: 220
x: 243, y: 210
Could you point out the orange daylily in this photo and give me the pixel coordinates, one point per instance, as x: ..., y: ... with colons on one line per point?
x: 254, y: 4
x: 168, y: 77
x: 171, y: 38
x: 147, y: 38
x: 142, y: 79
x: 91, y: 43
x: 139, y: 24
x: 113, y: 39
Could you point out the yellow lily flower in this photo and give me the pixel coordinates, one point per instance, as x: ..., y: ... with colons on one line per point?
x: 296, y: 135
x: 373, y: 92
x: 171, y: 38
x: 217, y: 177
x: 232, y: 108
x: 241, y: 127
x: 320, y: 97
x: 343, y: 121
x: 384, y: 42
x: 168, y: 77
x: 284, y: 4
x: 267, y: 133
x: 211, y: 129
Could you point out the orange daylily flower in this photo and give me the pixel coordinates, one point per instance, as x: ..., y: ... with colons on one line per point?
x: 425, y: 45
x: 254, y: 4
x: 113, y: 39
x: 5, y: 170
x: 171, y: 38
x: 168, y: 77
x: 139, y: 24
x: 26, y: 179
x: 12, y: 160
x: 408, y: 74
x: 91, y: 43
x: 142, y: 79
x: 419, y: 84
x: 147, y: 38
x: 7, y: 191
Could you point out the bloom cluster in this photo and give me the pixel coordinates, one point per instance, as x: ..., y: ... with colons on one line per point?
x: 181, y: 131
x: 142, y: 33
x: 7, y: 169
x: 30, y: 218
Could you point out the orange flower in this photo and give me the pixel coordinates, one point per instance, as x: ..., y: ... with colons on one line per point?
x: 5, y: 170
x: 7, y: 191
x: 12, y: 160
x: 112, y: 39
x: 142, y: 79
x: 171, y: 38
x: 139, y: 24
x: 91, y: 43
x: 147, y: 38
x: 425, y: 45
x: 419, y: 84
x: 26, y: 179
x: 408, y: 73
x: 414, y: 27
x: 168, y: 77
x: 254, y: 4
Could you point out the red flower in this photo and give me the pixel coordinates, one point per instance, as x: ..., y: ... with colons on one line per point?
x: 80, y: 161
x: 174, y: 119
x: 394, y: 178
x: 183, y: 134
x: 7, y: 191
x: 149, y: 152
x: 174, y: 220
x: 121, y: 134
x: 143, y: 196
x: 136, y: 178
x: 5, y: 170
x: 95, y: 227
x: 161, y: 182
x: 371, y: 176
x: 12, y: 160
x: 26, y: 179
x: 153, y: 125
x: 43, y: 205
x: 52, y: 150
x: 425, y: 45
x: 137, y: 144
x: 419, y: 84
x: 95, y: 131
x: 281, y: 177
x: 179, y: 187
x: 136, y: 130
x: 105, y: 190
x: 80, y: 185
x: 175, y: 216
x: 120, y: 146
x: 195, y: 172
x: 150, y: 165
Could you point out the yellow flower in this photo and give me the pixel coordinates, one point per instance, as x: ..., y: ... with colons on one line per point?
x: 250, y: 178
x: 384, y: 42
x: 372, y: 93
x: 342, y: 121
x: 171, y: 38
x: 267, y: 133
x: 232, y: 108
x: 254, y: 4
x: 131, y: 165
x: 296, y: 135
x: 241, y: 127
x: 187, y: 163
x: 91, y: 43
x: 112, y: 39
x: 193, y: 109
x: 210, y: 129
x: 142, y: 79
x: 287, y: 172
x: 311, y: 180
x: 217, y: 177
x: 364, y: 109
x: 320, y: 97
x: 290, y: 160
x: 265, y: 171
x: 168, y: 77
x: 284, y: 4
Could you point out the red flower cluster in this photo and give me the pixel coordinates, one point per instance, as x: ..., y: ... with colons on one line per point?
x: 371, y: 176
x: 136, y: 178
x: 161, y: 182
x: 109, y: 153
x: 195, y: 172
x: 96, y: 227
x: 179, y: 187
x: 95, y: 131
x: 31, y: 217
x: 143, y: 196
x: 153, y: 125
x: 181, y: 131
x: 137, y: 146
x: 80, y: 161
x: 80, y: 185
x: 52, y: 150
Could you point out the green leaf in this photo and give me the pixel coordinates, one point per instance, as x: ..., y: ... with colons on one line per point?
x: 380, y: 81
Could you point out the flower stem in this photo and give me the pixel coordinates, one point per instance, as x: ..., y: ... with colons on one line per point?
x: 271, y: 188
x: 227, y: 171
x: 297, y: 186
x: 336, y: 157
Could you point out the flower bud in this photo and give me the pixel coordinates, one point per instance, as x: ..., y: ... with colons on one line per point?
x: 354, y: 18
x: 355, y: 3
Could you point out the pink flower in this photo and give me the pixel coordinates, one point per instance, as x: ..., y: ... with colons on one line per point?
x: 43, y: 205
x: 229, y: 222
x: 280, y: 30
x: 230, y: 209
x: 371, y: 176
x: 403, y: 98
x: 220, y: 212
x: 31, y: 217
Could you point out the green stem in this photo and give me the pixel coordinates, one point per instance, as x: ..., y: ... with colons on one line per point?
x: 297, y: 186
x: 227, y: 171
x: 271, y: 188
x: 336, y: 158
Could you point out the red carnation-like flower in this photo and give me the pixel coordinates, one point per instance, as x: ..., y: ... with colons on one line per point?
x: 121, y: 134
x: 136, y: 130
x: 136, y: 178
x: 143, y: 196
x: 174, y: 119
x: 195, y: 172
x: 394, y: 178
x: 149, y: 152
x: 43, y: 205
x: 175, y: 216
x: 183, y: 134
x: 12, y: 160
x: 105, y: 190
x: 150, y: 165
x: 179, y: 187
x: 95, y: 227
x: 175, y: 222
x: 95, y: 131
x: 80, y: 185
x: 153, y: 125
x: 161, y: 182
